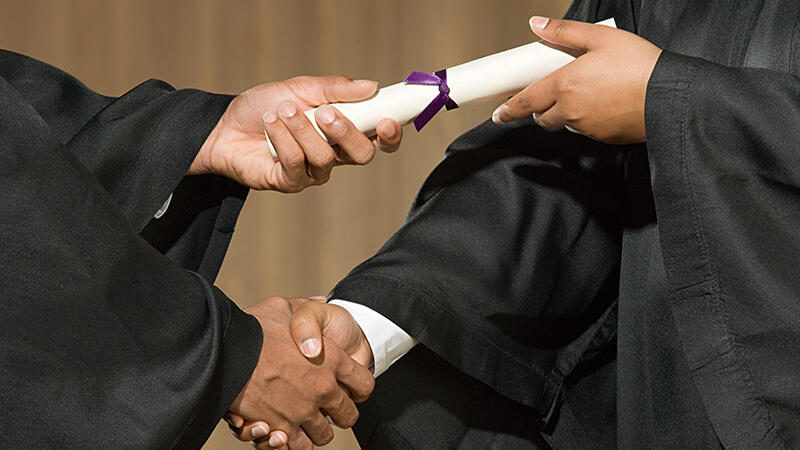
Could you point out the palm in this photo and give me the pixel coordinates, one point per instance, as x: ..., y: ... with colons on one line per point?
x: 238, y: 149
x: 251, y: 164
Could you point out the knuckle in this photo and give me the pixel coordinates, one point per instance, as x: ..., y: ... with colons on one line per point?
x: 351, y: 420
x: 322, y: 179
x: 327, y: 387
x: 341, y: 132
x: 572, y: 116
x: 364, y: 157
x: 300, y: 125
x: 300, y: 320
x: 326, y: 437
x: 325, y: 160
x: 524, y: 105
x: 329, y: 88
x: 294, y: 159
x: 565, y: 86
x: 294, y: 188
x: 301, y: 79
x: 340, y: 79
x: 368, y: 385
x: 561, y: 28
x: 572, y: 112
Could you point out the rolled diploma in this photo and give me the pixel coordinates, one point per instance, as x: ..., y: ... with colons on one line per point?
x: 492, y: 77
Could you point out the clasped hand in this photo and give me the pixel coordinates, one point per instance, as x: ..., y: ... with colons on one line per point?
x: 297, y: 394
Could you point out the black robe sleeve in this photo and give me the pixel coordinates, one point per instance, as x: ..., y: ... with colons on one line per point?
x: 105, y: 341
x: 520, y: 311
x: 725, y: 165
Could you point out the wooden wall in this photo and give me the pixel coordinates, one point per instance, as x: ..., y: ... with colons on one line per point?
x: 291, y: 245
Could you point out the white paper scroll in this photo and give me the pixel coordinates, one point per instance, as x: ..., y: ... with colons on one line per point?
x: 492, y: 77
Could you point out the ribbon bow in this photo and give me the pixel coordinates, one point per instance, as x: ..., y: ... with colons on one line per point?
x: 442, y: 100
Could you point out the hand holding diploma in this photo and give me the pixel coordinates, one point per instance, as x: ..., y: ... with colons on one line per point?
x: 601, y: 94
x: 236, y: 147
x: 422, y: 95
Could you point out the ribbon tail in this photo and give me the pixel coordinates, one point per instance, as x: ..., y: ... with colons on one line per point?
x: 431, y: 110
x: 450, y: 104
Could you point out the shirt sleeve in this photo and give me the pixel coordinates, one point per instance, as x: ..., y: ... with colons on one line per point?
x: 388, y: 341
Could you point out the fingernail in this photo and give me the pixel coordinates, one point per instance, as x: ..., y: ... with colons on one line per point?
x: 539, y: 22
x: 319, y: 297
x: 325, y: 115
x: 310, y: 347
x: 259, y: 431
x: 496, y: 114
x: 366, y: 81
x: 277, y: 440
x: 269, y: 117
x: 287, y: 109
x: 388, y: 130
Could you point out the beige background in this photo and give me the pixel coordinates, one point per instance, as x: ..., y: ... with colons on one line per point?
x: 290, y: 245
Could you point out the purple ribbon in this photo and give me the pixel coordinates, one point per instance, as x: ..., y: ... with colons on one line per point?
x: 442, y: 100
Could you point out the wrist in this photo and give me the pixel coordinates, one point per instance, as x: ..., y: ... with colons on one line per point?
x: 202, y: 162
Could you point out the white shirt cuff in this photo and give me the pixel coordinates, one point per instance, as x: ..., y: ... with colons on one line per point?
x: 388, y: 341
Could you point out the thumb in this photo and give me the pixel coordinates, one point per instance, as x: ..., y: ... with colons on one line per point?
x: 306, y: 326
x: 567, y: 33
x: 342, y: 89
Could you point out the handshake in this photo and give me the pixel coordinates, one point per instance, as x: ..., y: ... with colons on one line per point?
x: 312, y: 369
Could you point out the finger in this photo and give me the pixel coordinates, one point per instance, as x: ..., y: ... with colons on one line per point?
x: 300, y: 440
x: 318, y: 430
x: 306, y: 326
x: 319, y: 155
x: 569, y: 33
x: 342, y: 89
x: 390, y: 133
x: 574, y: 52
x: 290, y: 154
x: 537, y: 97
x: 322, y: 90
x: 278, y: 439
x: 319, y: 298
x: 551, y: 118
x: 355, y: 377
x: 261, y: 444
x: 275, y: 441
x: 342, y: 411
x: 234, y: 420
x: 354, y: 146
x: 253, y: 430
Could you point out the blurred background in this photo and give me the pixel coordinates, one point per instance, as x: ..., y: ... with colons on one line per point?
x: 300, y: 244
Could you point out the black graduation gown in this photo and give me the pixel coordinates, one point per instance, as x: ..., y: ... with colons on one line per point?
x: 105, y: 342
x: 623, y: 297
